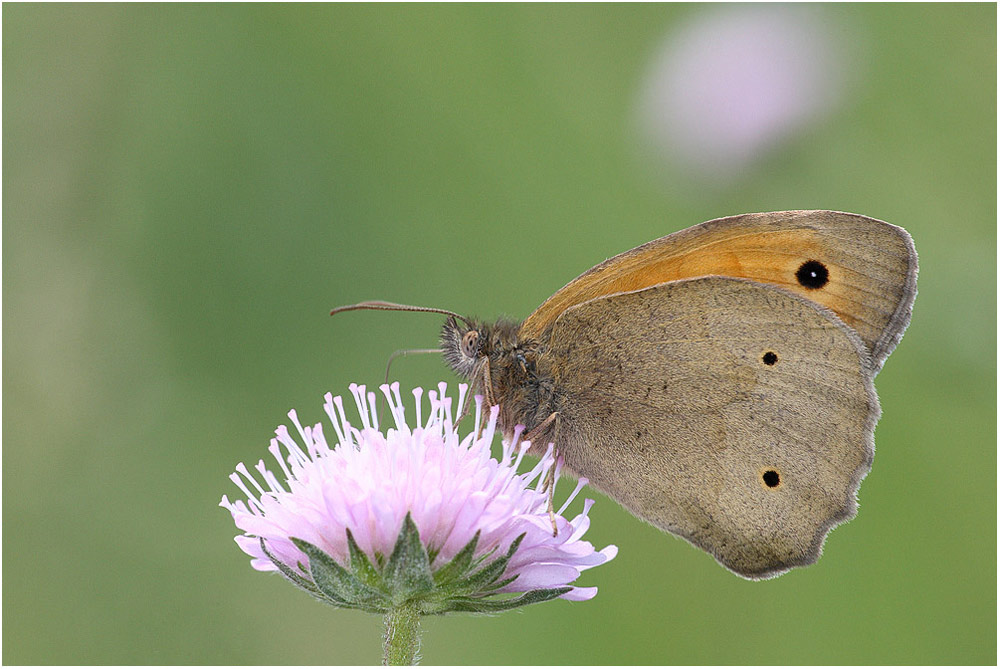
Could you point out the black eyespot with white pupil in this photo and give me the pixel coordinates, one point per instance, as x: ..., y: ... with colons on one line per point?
x: 470, y: 344
x: 812, y: 274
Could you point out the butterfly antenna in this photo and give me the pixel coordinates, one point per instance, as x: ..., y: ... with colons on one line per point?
x: 379, y: 305
x: 398, y: 354
x: 405, y: 352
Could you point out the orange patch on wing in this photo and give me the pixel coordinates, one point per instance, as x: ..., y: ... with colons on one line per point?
x: 768, y: 256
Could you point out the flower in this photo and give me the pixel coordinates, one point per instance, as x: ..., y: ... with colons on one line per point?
x: 415, y: 516
x: 735, y: 81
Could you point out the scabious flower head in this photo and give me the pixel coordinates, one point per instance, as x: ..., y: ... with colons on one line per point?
x: 412, y: 515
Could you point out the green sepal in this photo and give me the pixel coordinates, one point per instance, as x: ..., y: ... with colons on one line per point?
x: 339, y: 584
x: 499, y: 584
x: 485, y: 578
x: 362, y: 567
x: 466, y: 583
x: 482, y: 605
x: 459, y: 564
x: 297, y: 579
x: 408, y: 572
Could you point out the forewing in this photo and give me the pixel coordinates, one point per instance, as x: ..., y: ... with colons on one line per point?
x: 863, y: 269
x: 733, y: 414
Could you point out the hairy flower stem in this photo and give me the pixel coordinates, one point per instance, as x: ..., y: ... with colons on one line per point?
x: 402, y: 636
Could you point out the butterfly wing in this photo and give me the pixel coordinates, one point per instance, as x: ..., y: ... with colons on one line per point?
x: 863, y: 269
x: 733, y: 414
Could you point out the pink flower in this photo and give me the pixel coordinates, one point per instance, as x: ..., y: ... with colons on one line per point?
x: 734, y: 82
x: 414, y: 501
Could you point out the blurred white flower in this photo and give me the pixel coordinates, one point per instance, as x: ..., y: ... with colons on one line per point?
x: 735, y: 81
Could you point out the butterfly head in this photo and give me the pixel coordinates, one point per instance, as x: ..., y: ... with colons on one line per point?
x: 463, y: 344
x: 468, y: 343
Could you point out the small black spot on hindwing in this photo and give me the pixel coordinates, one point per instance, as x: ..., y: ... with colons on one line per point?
x: 771, y: 478
x: 769, y: 358
x: 812, y: 274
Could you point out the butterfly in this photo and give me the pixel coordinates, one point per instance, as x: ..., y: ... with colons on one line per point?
x: 716, y: 382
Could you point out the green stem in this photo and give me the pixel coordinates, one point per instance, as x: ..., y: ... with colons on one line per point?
x: 402, y: 636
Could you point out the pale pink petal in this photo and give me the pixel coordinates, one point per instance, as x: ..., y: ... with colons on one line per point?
x: 579, y: 594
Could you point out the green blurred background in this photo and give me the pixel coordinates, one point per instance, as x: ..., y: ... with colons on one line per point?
x: 188, y: 190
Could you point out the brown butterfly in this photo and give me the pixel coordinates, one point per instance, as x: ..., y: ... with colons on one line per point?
x: 717, y: 382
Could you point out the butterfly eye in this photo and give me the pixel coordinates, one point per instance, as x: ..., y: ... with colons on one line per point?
x: 470, y: 344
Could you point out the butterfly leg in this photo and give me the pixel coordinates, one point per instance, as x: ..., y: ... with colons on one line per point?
x: 487, y: 382
x: 541, y: 428
x: 548, y: 483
